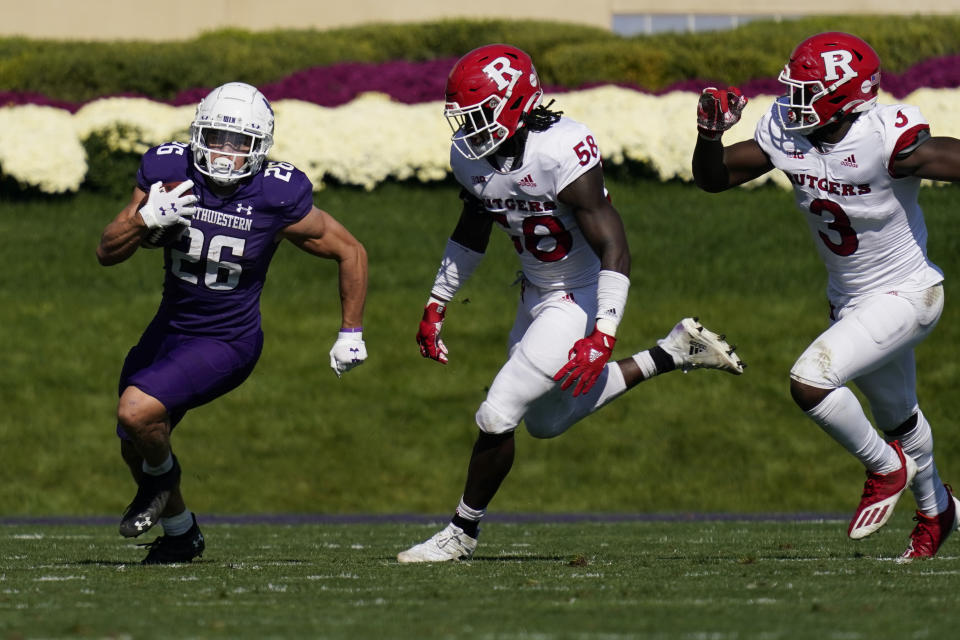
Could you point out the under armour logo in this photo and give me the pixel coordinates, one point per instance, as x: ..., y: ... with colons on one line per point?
x: 243, y: 209
x: 172, y: 208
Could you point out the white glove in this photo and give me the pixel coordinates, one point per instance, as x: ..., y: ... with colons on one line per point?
x: 348, y: 352
x: 167, y: 208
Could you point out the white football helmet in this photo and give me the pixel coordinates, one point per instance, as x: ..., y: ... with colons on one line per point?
x: 234, y: 121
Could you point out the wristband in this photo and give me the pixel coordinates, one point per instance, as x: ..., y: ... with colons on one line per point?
x: 351, y: 330
x: 612, y: 288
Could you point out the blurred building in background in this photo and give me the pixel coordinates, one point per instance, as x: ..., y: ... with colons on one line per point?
x: 181, y: 19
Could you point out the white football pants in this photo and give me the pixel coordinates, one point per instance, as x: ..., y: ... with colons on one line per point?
x: 871, y: 344
x: 547, y: 325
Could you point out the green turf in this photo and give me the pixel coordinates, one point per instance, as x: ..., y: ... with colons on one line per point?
x: 394, y: 434
x: 651, y: 580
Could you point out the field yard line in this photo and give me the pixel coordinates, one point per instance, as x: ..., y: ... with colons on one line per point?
x: 414, y: 518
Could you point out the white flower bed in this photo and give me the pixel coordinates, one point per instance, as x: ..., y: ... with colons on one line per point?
x: 372, y: 138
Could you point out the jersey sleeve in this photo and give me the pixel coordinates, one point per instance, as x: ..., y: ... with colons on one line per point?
x: 164, y: 163
x: 769, y: 134
x: 904, y: 129
x: 574, y: 152
x: 287, y: 192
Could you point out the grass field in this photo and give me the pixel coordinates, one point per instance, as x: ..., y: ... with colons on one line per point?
x: 393, y: 435
x: 715, y: 580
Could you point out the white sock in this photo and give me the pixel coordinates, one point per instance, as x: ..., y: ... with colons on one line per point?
x: 161, y: 469
x: 177, y: 525
x: 469, y: 513
x: 647, y: 366
x: 842, y: 417
x: 928, y: 489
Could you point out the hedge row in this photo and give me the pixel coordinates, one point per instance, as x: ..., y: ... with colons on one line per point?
x: 566, y: 55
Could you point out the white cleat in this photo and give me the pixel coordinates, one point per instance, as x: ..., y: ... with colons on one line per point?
x: 450, y: 544
x: 693, y: 346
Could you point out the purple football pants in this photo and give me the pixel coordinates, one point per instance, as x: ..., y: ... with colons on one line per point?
x: 184, y: 372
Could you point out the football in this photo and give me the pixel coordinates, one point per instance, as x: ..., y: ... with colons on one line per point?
x: 158, y: 238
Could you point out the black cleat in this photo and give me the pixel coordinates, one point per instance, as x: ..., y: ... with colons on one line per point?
x: 175, y: 549
x: 150, y: 501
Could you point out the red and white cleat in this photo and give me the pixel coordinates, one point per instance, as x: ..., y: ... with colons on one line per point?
x: 931, y: 531
x: 880, y: 494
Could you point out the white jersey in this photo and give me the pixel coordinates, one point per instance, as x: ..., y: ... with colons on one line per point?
x: 866, y: 224
x: 524, y: 203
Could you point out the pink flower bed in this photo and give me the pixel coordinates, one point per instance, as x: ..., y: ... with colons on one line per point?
x: 414, y: 82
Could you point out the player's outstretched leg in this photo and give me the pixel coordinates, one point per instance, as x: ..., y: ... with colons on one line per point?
x: 176, y: 549
x: 450, y: 544
x: 151, y: 499
x: 932, y: 531
x: 693, y: 346
x: 881, y: 492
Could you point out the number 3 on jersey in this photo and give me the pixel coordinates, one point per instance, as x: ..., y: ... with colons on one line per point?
x: 840, y: 224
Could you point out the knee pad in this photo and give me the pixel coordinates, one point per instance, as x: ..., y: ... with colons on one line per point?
x: 813, y: 368
x: 489, y: 420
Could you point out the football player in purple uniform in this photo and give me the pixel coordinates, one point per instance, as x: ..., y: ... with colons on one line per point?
x: 537, y: 176
x: 220, y: 212
x: 856, y: 168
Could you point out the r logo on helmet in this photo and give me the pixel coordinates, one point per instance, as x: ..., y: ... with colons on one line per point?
x: 833, y: 60
x: 500, y: 70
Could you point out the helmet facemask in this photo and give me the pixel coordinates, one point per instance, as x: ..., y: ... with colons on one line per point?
x: 797, y: 110
x: 477, y: 131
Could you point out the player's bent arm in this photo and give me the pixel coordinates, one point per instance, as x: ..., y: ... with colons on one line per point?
x: 319, y: 234
x: 599, y: 220
x: 936, y: 159
x: 474, y: 226
x: 121, y: 238
x: 718, y: 168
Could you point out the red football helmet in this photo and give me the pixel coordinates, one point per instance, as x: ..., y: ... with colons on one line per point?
x: 829, y: 75
x: 488, y: 92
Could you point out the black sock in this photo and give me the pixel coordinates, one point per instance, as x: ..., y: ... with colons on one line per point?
x: 470, y: 527
x: 663, y: 360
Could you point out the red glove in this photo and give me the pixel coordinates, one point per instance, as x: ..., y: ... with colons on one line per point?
x: 588, y: 357
x: 718, y: 110
x: 428, y: 336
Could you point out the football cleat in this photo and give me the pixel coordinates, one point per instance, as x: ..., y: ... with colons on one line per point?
x: 151, y: 499
x: 932, y: 531
x: 176, y: 549
x: 881, y: 492
x: 450, y: 544
x: 693, y: 346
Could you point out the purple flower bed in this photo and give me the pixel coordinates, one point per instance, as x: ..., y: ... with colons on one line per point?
x: 414, y: 82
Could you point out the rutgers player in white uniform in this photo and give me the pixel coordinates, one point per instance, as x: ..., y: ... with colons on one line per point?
x: 537, y: 176
x: 856, y: 168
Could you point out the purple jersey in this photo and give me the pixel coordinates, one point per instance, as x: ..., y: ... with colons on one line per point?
x: 215, y: 271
